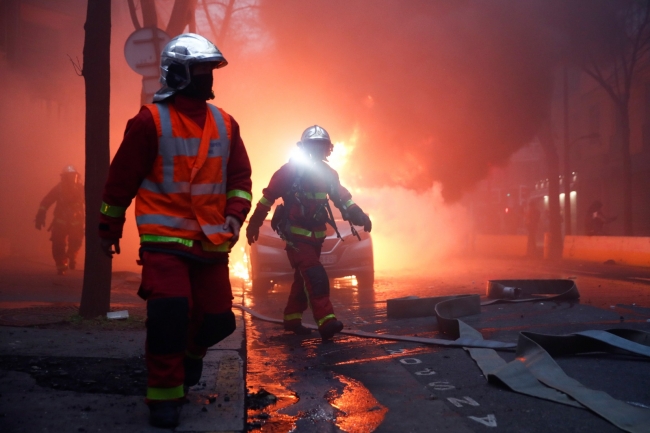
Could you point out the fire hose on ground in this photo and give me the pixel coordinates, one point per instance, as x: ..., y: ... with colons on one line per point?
x: 533, y: 372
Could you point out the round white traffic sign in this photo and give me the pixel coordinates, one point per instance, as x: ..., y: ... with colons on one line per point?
x: 142, y: 50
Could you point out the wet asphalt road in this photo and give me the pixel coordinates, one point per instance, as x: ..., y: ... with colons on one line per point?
x: 359, y: 385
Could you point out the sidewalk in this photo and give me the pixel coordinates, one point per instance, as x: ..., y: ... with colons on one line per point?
x: 55, y: 378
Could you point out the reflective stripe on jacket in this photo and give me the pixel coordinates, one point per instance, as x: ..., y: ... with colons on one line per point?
x: 185, y: 194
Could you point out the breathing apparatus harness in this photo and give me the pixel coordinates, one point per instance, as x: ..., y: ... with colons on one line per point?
x: 323, y: 214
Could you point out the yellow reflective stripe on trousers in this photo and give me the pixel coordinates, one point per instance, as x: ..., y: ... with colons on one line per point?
x: 239, y: 193
x: 165, y: 393
x: 112, y: 211
x: 303, y: 232
x: 266, y: 202
x: 316, y: 195
x: 294, y: 316
x: 326, y: 318
x: 348, y: 204
x: 207, y: 246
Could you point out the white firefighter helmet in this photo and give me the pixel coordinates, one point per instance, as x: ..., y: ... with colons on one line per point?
x: 315, y: 133
x: 176, y: 58
x: 69, y: 169
x: 70, y: 173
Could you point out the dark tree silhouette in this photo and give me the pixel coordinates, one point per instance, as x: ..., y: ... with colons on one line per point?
x: 96, y: 294
x: 230, y: 8
x: 613, y: 40
x: 555, y: 241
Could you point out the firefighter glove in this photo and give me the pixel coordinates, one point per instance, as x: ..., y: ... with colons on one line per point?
x: 254, y: 224
x: 39, y: 222
x: 107, y: 245
x: 358, y: 218
x: 233, y: 225
x: 252, y: 233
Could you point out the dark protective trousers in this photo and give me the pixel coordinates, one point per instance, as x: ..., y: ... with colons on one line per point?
x: 310, y: 286
x: 188, y: 310
x: 66, y: 242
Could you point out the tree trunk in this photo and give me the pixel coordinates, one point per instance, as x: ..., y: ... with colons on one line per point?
x: 225, y: 24
x: 627, y: 169
x: 96, y: 294
x: 149, y: 14
x: 555, y: 244
x: 568, y: 176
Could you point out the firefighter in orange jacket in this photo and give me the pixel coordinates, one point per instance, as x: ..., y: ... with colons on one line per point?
x: 306, y: 184
x: 68, y: 219
x: 186, y: 165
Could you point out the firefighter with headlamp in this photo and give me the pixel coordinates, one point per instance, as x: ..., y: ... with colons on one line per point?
x: 68, y: 220
x: 306, y: 185
x: 186, y: 165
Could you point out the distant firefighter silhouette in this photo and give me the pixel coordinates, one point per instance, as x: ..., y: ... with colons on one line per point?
x: 67, y: 225
x: 595, y: 220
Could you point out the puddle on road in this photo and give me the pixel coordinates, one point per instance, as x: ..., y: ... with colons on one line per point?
x: 358, y: 410
x: 265, y: 369
x: 278, y: 364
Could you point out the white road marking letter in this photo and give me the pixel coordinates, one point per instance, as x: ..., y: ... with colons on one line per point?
x: 458, y: 402
x: 425, y: 372
x: 410, y: 361
x: 490, y: 420
x: 442, y: 386
x: 395, y: 351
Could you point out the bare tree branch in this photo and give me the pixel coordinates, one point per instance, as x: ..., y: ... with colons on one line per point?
x: 149, y: 14
x: 77, y: 66
x: 597, y: 75
x: 636, y: 47
x: 225, y: 23
x: 181, y: 16
x: 134, y: 15
x: 245, y: 7
x: 209, y: 18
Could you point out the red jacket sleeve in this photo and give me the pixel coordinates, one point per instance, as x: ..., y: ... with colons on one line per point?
x: 238, y: 183
x: 279, y: 184
x: 344, y: 201
x: 49, y: 199
x: 132, y: 163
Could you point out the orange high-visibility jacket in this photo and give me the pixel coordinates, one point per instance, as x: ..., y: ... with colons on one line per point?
x: 184, y: 196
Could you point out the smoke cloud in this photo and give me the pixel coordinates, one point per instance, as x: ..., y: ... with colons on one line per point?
x: 439, y: 91
x: 428, y: 95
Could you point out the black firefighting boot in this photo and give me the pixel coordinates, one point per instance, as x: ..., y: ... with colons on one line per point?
x: 164, y: 414
x: 329, y: 328
x: 72, y: 264
x: 296, y: 327
x: 193, y: 370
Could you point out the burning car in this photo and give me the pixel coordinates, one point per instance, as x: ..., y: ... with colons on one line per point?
x: 343, y: 257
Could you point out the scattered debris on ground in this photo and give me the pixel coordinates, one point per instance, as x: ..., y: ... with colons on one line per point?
x: 88, y: 375
x: 260, y: 399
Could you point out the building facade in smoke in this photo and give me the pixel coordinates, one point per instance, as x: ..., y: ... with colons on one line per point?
x: 595, y: 164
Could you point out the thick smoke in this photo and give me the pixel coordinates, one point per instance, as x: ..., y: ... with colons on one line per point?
x: 439, y: 91
x: 427, y: 91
